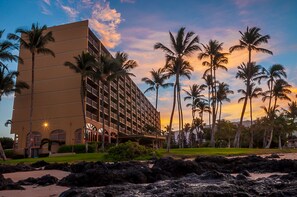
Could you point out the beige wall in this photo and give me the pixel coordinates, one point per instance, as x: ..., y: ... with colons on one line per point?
x: 57, y: 96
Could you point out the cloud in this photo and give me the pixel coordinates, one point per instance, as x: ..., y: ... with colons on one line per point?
x: 71, y: 12
x: 45, y: 10
x: 48, y: 2
x: 105, y: 22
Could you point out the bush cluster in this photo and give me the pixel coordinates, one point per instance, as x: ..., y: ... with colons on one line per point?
x: 77, y: 148
x: 128, y: 151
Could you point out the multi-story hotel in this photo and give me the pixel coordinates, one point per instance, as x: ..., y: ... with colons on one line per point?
x: 57, y: 111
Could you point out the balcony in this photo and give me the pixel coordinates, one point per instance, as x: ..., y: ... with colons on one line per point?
x: 92, y: 103
x: 92, y: 90
x: 92, y: 116
x: 122, y: 120
x: 114, y: 95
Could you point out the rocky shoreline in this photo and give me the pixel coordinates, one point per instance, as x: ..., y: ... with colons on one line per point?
x: 204, y: 176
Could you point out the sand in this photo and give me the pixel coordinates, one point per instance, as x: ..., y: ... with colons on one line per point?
x: 33, y: 190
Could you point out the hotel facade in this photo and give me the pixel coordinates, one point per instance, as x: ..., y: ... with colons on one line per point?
x: 58, y: 112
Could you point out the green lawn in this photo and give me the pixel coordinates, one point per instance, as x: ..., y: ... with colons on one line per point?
x: 193, y: 152
x: 177, y: 153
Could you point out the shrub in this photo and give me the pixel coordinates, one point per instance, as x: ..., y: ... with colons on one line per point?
x: 9, y: 153
x: 128, y: 151
x: 77, y: 148
x: 7, y: 142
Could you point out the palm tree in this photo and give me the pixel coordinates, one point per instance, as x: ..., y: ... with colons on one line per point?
x: 157, y: 80
x: 182, y: 45
x: 222, y: 95
x: 123, y: 68
x: 251, y: 39
x: 5, y: 51
x: 280, y: 92
x: 179, y: 70
x: 213, y: 51
x: 208, y: 83
x: 292, y: 111
x: 8, y: 85
x: 276, y: 71
x: 195, y: 95
x: 249, y: 74
x: 50, y: 143
x: 35, y: 40
x: 84, y: 65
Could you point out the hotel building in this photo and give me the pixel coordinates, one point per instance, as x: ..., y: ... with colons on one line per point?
x: 57, y: 111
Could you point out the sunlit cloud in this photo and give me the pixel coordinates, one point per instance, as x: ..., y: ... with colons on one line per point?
x: 48, y: 2
x: 71, y: 12
x: 128, y: 1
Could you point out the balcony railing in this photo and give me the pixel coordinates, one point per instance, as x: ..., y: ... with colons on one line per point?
x: 92, y: 116
x: 92, y: 90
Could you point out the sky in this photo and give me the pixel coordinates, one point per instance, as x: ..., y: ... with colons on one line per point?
x: 134, y: 26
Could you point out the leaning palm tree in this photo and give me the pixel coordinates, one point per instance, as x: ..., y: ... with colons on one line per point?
x: 182, y: 45
x: 84, y: 65
x: 5, y: 51
x: 35, y: 40
x: 280, y: 92
x: 157, y: 80
x: 8, y: 85
x: 249, y: 74
x: 195, y: 95
x: 213, y: 51
x: 251, y: 39
x: 123, y: 66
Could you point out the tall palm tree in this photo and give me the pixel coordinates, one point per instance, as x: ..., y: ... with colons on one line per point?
x: 251, y: 39
x: 208, y: 82
x: 8, y: 85
x: 35, y: 40
x: 84, y: 65
x: 201, y: 107
x: 248, y: 73
x: 179, y: 70
x: 182, y: 45
x: 213, y: 51
x: 280, y: 92
x: 123, y: 68
x: 194, y: 94
x: 5, y: 51
x: 276, y: 71
x: 156, y: 81
x: 292, y: 111
x: 254, y: 92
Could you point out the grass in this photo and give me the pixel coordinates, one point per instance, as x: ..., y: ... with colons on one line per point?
x: 194, y: 152
x: 177, y: 153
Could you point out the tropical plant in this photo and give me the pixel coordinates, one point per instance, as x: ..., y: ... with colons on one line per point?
x: 249, y: 74
x: 213, y: 51
x: 50, y: 142
x: 195, y: 95
x: 5, y: 51
x: 276, y: 71
x: 157, y: 80
x: 84, y: 65
x: 251, y: 39
x: 182, y: 45
x: 35, y: 40
x: 222, y: 95
x: 8, y: 83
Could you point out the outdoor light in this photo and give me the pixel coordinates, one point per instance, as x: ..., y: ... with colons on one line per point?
x: 45, y: 124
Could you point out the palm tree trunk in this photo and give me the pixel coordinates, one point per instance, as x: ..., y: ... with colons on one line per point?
x: 209, y: 113
x: 82, y: 97
x: 157, y: 95
x: 181, y: 117
x: 238, y: 132
x: 31, y: 106
x: 171, y: 118
x: 212, y: 140
x: 251, y: 145
x: 220, y: 114
x: 272, y: 123
x: 2, y: 153
x: 270, y: 139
